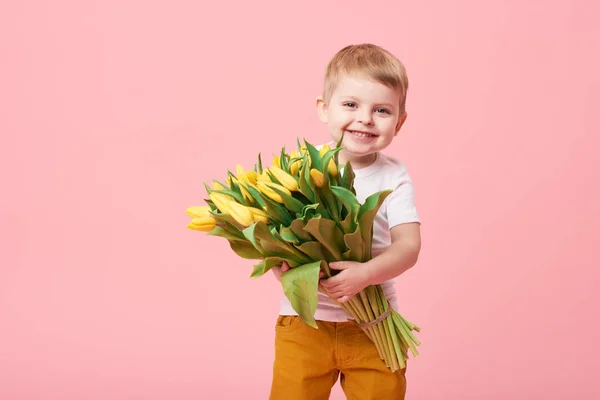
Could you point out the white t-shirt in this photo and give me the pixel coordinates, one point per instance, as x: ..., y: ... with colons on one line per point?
x: 398, y: 208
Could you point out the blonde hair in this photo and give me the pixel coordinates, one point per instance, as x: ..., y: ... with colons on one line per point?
x: 373, y: 61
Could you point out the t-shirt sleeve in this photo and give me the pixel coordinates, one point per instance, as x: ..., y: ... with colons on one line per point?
x: 400, y: 204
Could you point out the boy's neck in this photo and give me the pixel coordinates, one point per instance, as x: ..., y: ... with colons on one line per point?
x: 357, y: 162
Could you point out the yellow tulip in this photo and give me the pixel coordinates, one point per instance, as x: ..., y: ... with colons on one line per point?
x: 198, y: 211
x: 263, y: 177
x: 296, y: 164
x: 295, y: 167
x: 317, y: 177
x: 259, y: 215
x: 266, y: 189
x: 276, y: 161
x: 217, y: 186
x: 246, y: 194
x: 324, y: 149
x: 239, y: 170
x: 284, y: 178
x: 240, y: 213
x: 221, y: 201
x: 332, y: 168
x: 203, y: 224
x: 251, y: 176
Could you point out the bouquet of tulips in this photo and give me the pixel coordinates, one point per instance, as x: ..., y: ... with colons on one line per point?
x: 303, y: 210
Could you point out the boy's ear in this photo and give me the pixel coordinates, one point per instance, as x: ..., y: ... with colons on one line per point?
x: 322, y: 109
x: 400, y: 122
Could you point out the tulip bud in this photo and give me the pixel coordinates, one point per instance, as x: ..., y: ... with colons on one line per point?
x: 240, y: 213
x: 263, y: 177
x: 295, y: 167
x: 276, y: 161
x: 239, y: 170
x: 332, y: 168
x: 217, y: 186
x: 284, y: 178
x: 221, y: 201
x: 198, y: 211
x: 246, y: 194
x: 259, y: 215
x: 324, y: 149
x: 317, y: 177
x: 251, y: 176
x: 266, y: 189
x: 203, y: 224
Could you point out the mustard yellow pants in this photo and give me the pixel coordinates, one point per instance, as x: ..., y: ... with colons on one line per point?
x: 308, y: 362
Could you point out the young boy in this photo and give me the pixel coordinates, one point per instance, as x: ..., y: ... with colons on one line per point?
x: 364, y: 98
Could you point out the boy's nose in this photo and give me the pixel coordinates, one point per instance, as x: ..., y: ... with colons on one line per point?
x: 365, y: 118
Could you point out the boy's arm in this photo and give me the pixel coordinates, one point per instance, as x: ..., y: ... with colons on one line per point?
x: 401, y: 255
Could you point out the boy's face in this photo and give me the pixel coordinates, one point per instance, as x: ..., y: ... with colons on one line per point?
x: 367, y: 112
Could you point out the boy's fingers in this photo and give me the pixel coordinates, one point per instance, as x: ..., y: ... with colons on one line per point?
x: 344, y: 299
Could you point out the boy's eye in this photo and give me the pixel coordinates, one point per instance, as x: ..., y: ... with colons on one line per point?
x: 350, y: 104
x: 383, y: 110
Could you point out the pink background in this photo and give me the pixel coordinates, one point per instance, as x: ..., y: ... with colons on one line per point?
x: 114, y: 113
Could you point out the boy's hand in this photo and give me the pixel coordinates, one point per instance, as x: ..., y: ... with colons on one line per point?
x: 278, y: 271
x: 353, y: 278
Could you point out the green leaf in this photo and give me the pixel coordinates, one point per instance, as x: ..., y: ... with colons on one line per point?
x: 264, y: 266
x: 300, y: 286
x: 297, y: 227
x: 208, y: 188
x: 236, y: 189
x: 292, y: 204
x: 260, y: 168
x: 308, y: 212
x: 270, y: 245
x: 315, y: 156
x: 348, y: 224
x: 277, y: 212
x: 288, y: 235
x: 348, y: 177
x: 330, y: 203
x: 367, y: 214
x: 312, y: 249
x: 348, y: 199
x: 244, y: 249
x: 355, y: 245
x: 256, y: 195
x: 304, y: 183
x: 237, y: 196
x: 233, y: 234
x: 328, y: 234
x: 283, y: 159
x: 329, y: 179
x: 228, y: 220
x: 351, y: 204
x: 249, y: 234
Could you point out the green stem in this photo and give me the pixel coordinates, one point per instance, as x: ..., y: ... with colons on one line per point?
x: 380, y: 333
x: 390, y: 322
x: 375, y: 305
x: 407, y: 336
x: 403, y: 341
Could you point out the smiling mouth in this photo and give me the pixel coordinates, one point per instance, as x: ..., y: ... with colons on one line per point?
x: 361, y: 134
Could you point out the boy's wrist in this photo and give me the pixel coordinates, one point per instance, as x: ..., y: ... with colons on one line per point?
x: 370, y: 276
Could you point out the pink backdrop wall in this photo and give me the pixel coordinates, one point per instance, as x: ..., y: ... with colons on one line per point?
x: 114, y: 113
